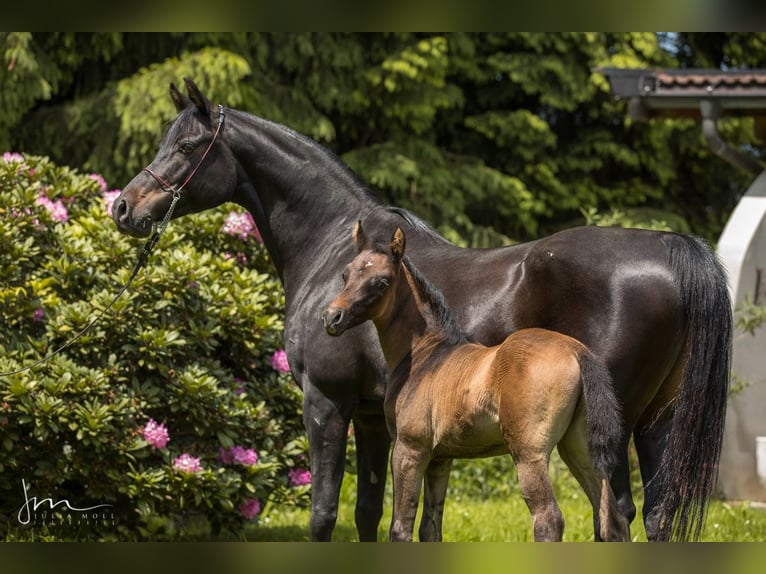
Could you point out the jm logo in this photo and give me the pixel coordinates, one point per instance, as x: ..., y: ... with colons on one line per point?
x: 31, y: 505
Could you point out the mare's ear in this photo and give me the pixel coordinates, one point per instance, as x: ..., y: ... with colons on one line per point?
x: 181, y: 101
x: 398, y: 243
x: 360, y: 237
x: 197, y: 98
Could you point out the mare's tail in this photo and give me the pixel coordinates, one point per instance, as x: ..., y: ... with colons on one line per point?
x: 602, y: 412
x: 689, y: 467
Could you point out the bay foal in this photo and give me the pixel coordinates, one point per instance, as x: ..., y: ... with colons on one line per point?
x: 449, y: 398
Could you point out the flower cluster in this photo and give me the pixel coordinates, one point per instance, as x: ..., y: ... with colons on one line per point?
x: 241, y: 225
x: 250, y: 508
x: 109, y: 197
x: 187, y: 463
x: 279, y: 362
x: 239, y: 455
x: 299, y: 476
x: 156, y: 434
x: 56, y: 208
x: 13, y: 157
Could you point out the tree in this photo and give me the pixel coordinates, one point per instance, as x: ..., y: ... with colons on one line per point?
x: 490, y: 137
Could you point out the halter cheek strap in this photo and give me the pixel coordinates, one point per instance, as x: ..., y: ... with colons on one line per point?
x: 177, y: 191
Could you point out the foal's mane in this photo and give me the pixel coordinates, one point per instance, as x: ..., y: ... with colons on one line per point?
x: 443, y: 318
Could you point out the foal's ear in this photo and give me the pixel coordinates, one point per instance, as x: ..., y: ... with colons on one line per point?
x: 360, y: 237
x: 197, y: 98
x: 181, y: 101
x: 398, y: 242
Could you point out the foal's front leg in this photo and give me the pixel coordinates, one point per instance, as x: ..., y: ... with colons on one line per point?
x: 436, y: 480
x: 407, y: 467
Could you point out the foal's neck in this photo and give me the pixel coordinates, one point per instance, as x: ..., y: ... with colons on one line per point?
x: 417, y: 320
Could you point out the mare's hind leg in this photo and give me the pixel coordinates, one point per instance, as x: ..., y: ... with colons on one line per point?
x: 536, y: 488
x: 436, y: 480
x: 372, y: 447
x: 609, y: 523
x: 650, y: 438
x: 650, y: 445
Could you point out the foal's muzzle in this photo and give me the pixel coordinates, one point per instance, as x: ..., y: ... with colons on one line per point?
x: 333, y: 321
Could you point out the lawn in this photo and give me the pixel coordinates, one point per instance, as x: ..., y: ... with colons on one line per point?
x: 498, y: 514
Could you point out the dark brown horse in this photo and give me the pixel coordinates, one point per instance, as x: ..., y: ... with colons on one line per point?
x: 450, y: 398
x: 653, y: 306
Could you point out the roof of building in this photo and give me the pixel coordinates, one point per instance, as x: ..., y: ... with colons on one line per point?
x: 678, y: 92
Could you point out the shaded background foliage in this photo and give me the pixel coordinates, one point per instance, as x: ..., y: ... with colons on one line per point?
x: 491, y: 137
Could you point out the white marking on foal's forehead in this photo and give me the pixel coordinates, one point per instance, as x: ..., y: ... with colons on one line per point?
x: 368, y: 264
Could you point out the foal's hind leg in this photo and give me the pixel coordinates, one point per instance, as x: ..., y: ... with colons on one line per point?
x: 536, y: 488
x: 436, y: 480
x: 609, y: 524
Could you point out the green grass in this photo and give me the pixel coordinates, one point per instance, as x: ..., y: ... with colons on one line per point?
x: 505, y: 518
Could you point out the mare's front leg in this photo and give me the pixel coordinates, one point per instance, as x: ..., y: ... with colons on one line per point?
x: 327, y: 430
x: 407, y: 467
x: 435, y: 491
x: 372, y: 446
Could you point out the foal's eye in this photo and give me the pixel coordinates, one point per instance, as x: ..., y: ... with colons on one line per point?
x: 187, y: 147
x: 380, y: 284
x: 344, y: 276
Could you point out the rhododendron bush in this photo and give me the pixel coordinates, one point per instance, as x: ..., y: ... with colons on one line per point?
x: 175, y: 416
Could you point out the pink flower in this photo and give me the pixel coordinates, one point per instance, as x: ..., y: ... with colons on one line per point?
x: 279, y: 362
x: 109, y: 197
x: 156, y: 434
x: 241, y: 386
x: 238, y: 454
x: 299, y: 476
x: 241, y: 225
x: 56, y: 208
x: 250, y: 508
x: 187, y: 463
x: 225, y: 456
x: 244, y: 456
x: 101, y: 181
x: 38, y: 315
x: 13, y: 157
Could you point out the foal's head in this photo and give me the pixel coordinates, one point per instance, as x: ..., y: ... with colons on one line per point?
x: 368, y: 281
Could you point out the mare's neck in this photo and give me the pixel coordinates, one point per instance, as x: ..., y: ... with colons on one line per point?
x: 302, y: 197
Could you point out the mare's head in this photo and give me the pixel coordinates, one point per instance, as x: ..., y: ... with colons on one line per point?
x: 368, y: 282
x: 184, y: 148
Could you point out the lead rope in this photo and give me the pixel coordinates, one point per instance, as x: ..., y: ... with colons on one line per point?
x: 143, y: 257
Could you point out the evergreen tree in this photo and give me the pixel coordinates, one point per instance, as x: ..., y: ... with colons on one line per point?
x: 490, y: 137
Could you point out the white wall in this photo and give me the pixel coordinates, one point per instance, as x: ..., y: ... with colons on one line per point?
x: 742, y: 248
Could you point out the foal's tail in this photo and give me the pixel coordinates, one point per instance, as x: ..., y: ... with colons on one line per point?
x: 689, y: 466
x: 602, y: 412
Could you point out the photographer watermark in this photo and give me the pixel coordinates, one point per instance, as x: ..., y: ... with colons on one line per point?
x: 46, y: 512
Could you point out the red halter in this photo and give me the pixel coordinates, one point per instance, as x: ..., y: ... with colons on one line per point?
x: 177, y: 191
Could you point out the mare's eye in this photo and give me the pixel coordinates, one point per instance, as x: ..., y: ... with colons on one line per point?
x: 187, y: 147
